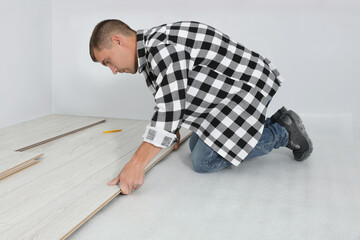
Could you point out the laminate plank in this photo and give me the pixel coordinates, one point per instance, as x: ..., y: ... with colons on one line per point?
x: 56, y: 126
x: 162, y: 154
x: 17, y: 169
x: 12, y: 162
x: 4, y: 226
x: 57, y: 218
x: 67, y: 155
x: 76, y: 167
x: 60, y: 152
x: 59, y: 136
x: 39, y: 130
x: 28, y: 129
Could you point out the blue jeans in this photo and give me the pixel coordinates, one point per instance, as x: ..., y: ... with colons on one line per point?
x: 206, y: 160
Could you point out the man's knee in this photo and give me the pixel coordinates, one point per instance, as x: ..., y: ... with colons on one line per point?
x: 198, y: 164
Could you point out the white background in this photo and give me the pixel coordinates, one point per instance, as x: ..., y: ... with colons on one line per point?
x: 46, y: 67
x: 25, y: 62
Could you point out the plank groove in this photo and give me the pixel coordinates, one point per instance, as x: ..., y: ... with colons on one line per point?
x: 58, y: 136
x: 34, y: 131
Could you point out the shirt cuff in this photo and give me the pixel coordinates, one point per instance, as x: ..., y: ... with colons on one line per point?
x: 159, y: 137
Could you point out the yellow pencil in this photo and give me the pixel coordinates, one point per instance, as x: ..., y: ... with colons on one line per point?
x: 119, y: 130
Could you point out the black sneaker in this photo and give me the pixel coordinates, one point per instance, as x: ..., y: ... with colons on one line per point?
x: 299, y: 140
x: 278, y: 114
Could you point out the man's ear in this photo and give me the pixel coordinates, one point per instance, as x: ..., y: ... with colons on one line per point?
x: 116, y: 39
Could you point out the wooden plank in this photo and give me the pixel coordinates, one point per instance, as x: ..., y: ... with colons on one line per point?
x: 69, y: 163
x: 59, y: 136
x: 55, y: 127
x: 57, y: 218
x: 152, y: 164
x: 73, y: 168
x: 4, y: 226
x: 12, y: 162
x: 60, y: 152
x: 10, y: 159
x: 17, y: 168
x: 39, y: 130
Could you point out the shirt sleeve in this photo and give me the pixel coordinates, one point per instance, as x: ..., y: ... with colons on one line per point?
x: 169, y: 64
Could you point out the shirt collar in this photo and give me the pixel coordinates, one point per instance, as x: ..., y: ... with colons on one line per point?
x: 140, y: 50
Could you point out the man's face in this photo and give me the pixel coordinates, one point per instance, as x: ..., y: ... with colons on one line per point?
x: 121, y: 57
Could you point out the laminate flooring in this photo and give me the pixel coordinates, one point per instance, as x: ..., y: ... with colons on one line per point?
x: 272, y: 197
x: 51, y: 199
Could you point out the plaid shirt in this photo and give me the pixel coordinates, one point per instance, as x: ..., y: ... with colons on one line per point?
x: 206, y: 82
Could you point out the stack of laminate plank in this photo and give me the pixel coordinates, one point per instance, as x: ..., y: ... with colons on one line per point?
x: 53, y: 198
x: 12, y: 162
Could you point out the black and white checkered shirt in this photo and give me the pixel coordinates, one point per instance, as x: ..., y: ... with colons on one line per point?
x: 206, y: 82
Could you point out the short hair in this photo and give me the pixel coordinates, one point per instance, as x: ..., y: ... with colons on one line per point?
x: 101, y: 35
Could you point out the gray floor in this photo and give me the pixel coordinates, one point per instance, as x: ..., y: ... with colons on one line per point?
x: 271, y: 197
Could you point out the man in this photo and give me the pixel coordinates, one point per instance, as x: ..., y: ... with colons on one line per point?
x: 206, y: 82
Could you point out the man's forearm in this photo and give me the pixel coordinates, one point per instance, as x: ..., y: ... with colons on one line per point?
x: 145, y: 154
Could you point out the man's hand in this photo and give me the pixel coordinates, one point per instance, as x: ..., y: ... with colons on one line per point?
x: 132, y: 175
x: 177, y: 144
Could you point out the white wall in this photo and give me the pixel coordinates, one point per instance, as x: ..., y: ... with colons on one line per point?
x: 313, y: 44
x: 25, y: 63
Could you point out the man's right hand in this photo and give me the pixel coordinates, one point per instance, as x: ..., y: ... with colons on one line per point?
x: 132, y: 175
x: 177, y: 144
